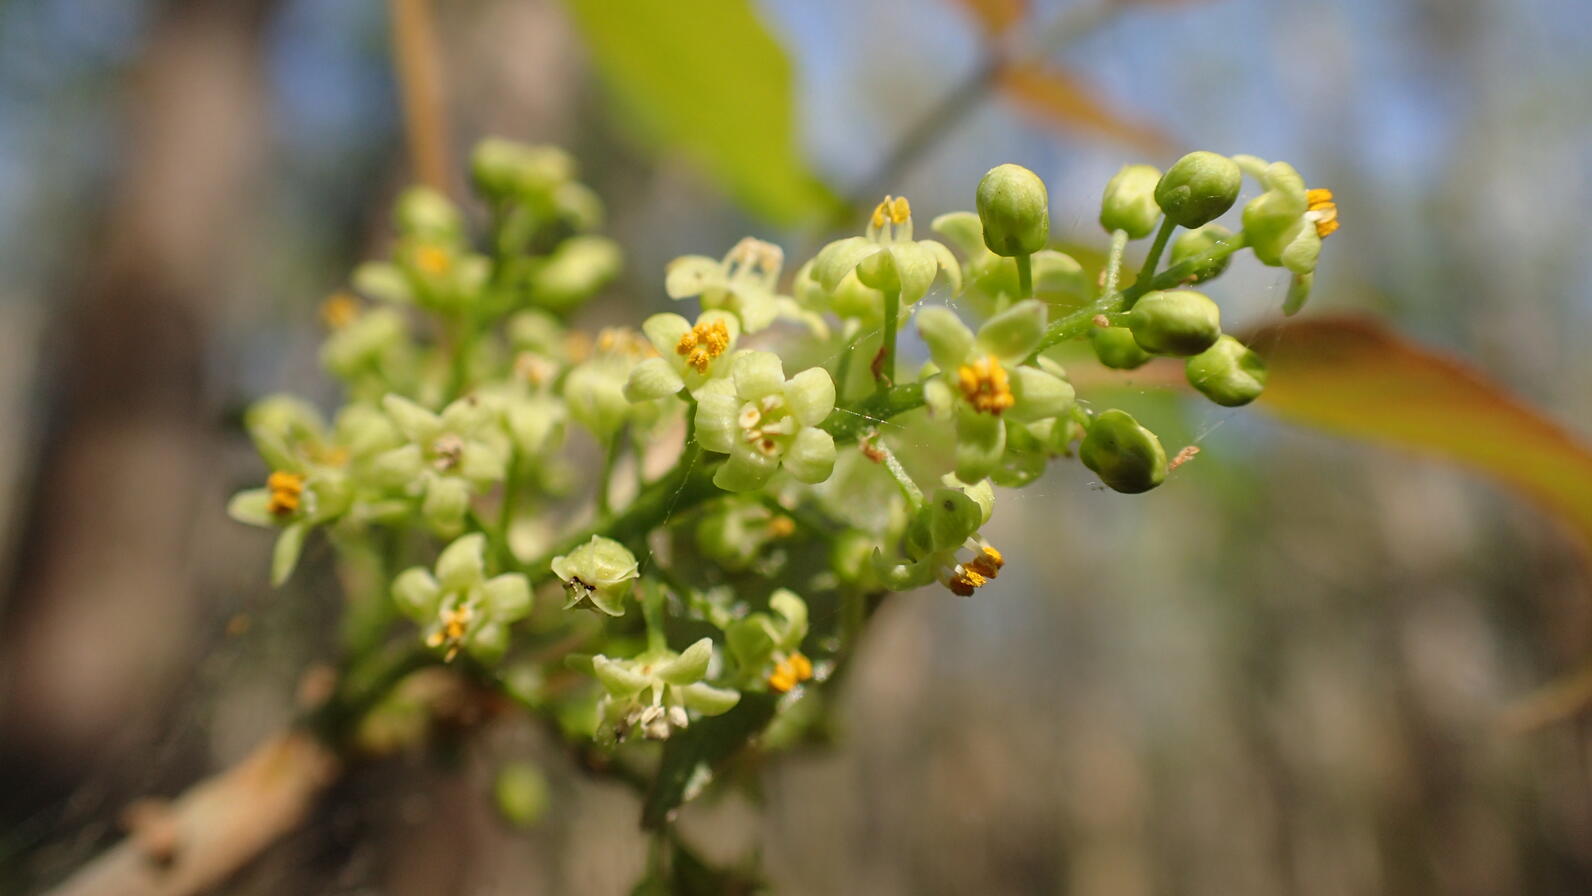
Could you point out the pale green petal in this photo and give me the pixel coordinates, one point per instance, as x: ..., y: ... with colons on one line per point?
x: 462, y: 563
x: 980, y: 442
x: 508, y: 597
x: 1013, y: 334
x: 665, y: 330
x: 949, y: 340
x: 810, y: 395
x: 789, y: 605
x: 397, y: 468
x: 285, y: 553
x: 964, y: 230
x: 915, y: 267
x: 415, y: 422
x: 811, y: 456
x: 709, y: 700
x: 757, y: 374
x: 617, y: 678
x: 744, y: 471
x: 757, y: 308
x: 1038, y: 395
x: 417, y: 594
x: 447, y: 498
x: 947, y: 262
x: 715, y: 417
x: 652, y: 379
x: 482, y: 463
x: 690, y: 665
x: 750, y: 641
x: 488, y: 642
x: 837, y: 259
x: 252, y: 507
x: 689, y: 275
x: 466, y: 416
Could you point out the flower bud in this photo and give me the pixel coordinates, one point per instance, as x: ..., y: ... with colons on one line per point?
x: 1175, y: 322
x: 1126, y: 456
x: 502, y: 167
x: 1129, y: 202
x: 1197, y: 243
x: 1198, y: 188
x: 425, y: 212
x: 1116, y: 348
x: 599, y: 571
x: 1227, y: 373
x: 580, y: 266
x: 1014, y: 209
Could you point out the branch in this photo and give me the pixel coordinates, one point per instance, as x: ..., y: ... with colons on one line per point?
x: 195, y: 843
x: 419, y: 65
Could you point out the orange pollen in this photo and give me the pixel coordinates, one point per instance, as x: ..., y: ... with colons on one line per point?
x: 893, y: 210
x: 704, y: 343
x: 433, y: 260
x: 339, y: 310
x: 781, y: 527
x: 455, y: 623
x: 988, y: 563
x: 965, y: 580
x: 790, y: 672
x: 285, y: 489
x: 1320, y: 202
x: 985, y: 385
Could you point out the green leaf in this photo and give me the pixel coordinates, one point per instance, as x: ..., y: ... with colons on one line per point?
x: 707, y: 79
x: 1355, y: 377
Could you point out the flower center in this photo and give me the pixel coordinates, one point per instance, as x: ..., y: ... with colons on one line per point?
x: 1322, y: 210
x: 704, y: 343
x: 455, y: 624
x: 339, y: 310
x: 766, y: 425
x: 893, y: 210
x: 790, y: 672
x: 286, y: 489
x: 433, y: 260
x: 754, y: 259
x: 446, y: 451
x: 985, y: 385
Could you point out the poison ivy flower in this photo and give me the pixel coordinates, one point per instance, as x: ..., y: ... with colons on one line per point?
x: 767, y: 647
x: 1286, y: 224
x: 887, y: 258
x: 688, y: 355
x: 982, y: 380
x: 458, y: 607
x: 598, y: 572
x: 943, y: 528
x: 446, y: 458
x: 743, y: 283
x: 653, y: 692
x: 735, y: 532
x: 991, y: 280
x: 595, y: 388
x: 764, y: 421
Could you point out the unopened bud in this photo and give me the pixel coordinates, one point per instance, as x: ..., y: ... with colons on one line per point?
x: 1129, y: 201
x: 1198, y: 188
x: 1227, y: 373
x: 1126, y: 456
x: 1175, y: 322
x: 1197, y: 243
x: 1116, y: 348
x: 1014, y: 209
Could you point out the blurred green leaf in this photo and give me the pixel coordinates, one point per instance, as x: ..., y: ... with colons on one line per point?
x: 1355, y: 377
x: 706, y: 78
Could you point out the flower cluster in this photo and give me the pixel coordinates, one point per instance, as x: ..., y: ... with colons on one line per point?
x: 685, y: 479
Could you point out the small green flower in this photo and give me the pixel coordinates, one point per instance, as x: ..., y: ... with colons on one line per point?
x: 688, y: 356
x: 598, y: 573
x: 458, y: 607
x: 946, y: 524
x: 983, y: 379
x: 651, y: 693
x: 595, y: 388
x: 764, y: 421
x: 743, y: 283
x: 1286, y: 224
x: 767, y: 647
x: 574, y: 271
x: 447, y: 457
x: 991, y: 282
x: 887, y: 257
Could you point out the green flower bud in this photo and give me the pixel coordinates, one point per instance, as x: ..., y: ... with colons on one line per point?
x: 1198, y: 242
x: 1198, y: 188
x: 425, y: 212
x: 599, y: 571
x: 579, y: 267
x: 382, y: 280
x: 1116, y: 348
x: 503, y: 167
x: 1014, y: 209
x: 1126, y: 456
x: 944, y: 521
x: 1129, y: 201
x: 1175, y: 322
x: 1227, y: 373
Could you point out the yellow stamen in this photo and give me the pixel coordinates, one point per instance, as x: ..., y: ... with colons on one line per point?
x: 704, y: 343
x: 339, y: 310
x: 790, y: 672
x: 892, y: 210
x: 988, y: 563
x: 900, y: 210
x: 285, y: 488
x: 985, y: 385
x: 433, y: 260
x: 455, y: 624
x: 964, y: 581
x: 782, y: 527
x: 1319, y: 200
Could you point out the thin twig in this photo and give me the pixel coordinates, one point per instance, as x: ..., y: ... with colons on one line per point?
x: 418, y: 61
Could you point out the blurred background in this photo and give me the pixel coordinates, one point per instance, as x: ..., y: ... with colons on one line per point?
x: 1305, y: 665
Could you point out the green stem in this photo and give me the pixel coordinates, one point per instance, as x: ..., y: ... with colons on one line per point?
x: 652, y: 615
x: 1147, y: 272
x: 605, y: 478
x: 909, y: 489
x: 1119, y: 244
x: 843, y: 369
x: 511, y: 495
x: 1025, y: 276
x: 892, y: 314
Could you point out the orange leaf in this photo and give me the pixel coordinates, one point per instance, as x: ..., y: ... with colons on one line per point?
x: 995, y: 17
x: 1355, y: 377
x: 1059, y: 98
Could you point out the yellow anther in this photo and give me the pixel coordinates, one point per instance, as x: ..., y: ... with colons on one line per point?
x: 433, y: 260
x: 985, y: 385
x: 455, y: 624
x: 1319, y: 201
x: 790, y: 672
x: 964, y: 581
x: 782, y: 527
x: 881, y: 214
x: 285, y: 489
x: 339, y: 310
x: 533, y: 368
x: 892, y: 210
x: 988, y: 563
x: 900, y: 210
x: 448, y: 450
x: 704, y: 343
